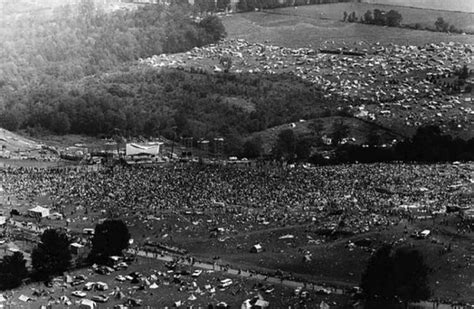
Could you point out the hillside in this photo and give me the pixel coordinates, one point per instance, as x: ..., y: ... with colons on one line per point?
x: 10, y: 141
x: 358, y: 132
x: 305, y: 27
x: 410, y: 15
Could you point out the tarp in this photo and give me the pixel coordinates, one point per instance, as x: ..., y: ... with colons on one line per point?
x: 137, y: 149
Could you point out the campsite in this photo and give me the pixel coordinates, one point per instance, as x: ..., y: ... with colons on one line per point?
x: 143, y: 118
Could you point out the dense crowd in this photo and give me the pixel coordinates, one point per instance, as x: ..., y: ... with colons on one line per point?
x: 360, y: 196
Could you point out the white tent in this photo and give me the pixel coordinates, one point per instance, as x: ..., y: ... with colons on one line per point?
x: 38, y: 212
x: 132, y: 149
x: 87, y: 304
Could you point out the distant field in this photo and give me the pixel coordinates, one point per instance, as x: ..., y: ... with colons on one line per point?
x: 457, y: 5
x: 425, y: 17
x: 313, y: 26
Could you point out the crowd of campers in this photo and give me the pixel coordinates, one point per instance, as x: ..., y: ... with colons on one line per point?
x: 378, y: 81
x: 128, y: 288
x: 217, y: 200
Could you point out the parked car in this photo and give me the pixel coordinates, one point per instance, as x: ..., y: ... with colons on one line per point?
x: 100, y: 298
x: 79, y: 294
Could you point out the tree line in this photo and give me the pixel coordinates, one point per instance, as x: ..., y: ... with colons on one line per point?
x: 378, y: 17
x: 428, y: 145
x: 393, y: 18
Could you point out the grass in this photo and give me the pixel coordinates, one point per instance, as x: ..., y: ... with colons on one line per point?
x: 458, y: 5
x: 306, y: 27
x: 167, y: 294
x: 411, y: 16
x: 358, y: 129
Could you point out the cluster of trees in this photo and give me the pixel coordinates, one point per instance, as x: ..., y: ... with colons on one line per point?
x: 443, y: 26
x: 428, y: 145
x: 394, y: 275
x: 378, y: 17
x: 172, y: 103
x: 292, y: 147
x: 83, y: 40
x: 52, y: 256
x: 251, y: 5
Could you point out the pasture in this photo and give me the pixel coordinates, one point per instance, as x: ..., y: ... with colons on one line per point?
x: 411, y: 16
x: 458, y: 5
x: 320, y: 26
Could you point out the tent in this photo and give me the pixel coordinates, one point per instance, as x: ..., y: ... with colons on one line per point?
x: 256, y: 248
x: 38, y: 212
x: 87, y: 304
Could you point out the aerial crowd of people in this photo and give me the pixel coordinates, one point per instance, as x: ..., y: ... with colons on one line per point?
x: 360, y: 196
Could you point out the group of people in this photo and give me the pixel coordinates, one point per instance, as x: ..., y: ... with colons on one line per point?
x: 359, y: 196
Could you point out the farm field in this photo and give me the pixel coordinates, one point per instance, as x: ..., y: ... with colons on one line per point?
x: 297, y: 29
x: 411, y: 16
x: 458, y: 5
x: 316, y: 26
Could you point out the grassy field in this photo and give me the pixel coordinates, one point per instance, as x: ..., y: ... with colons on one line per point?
x: 458, y: 5
x: 411, y: 16
x: 320, y: 26
x: 334, y: 262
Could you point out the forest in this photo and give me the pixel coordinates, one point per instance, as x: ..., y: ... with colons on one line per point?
x: 83, y: 40
x: 173, y: 103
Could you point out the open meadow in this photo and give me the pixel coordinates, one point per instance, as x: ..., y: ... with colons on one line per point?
x: 411, y: 16
x: 458, y: 5
x: 319, y: 25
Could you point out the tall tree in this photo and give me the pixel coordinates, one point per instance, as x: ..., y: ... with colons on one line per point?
x: 441, y: 25
x: 12, y: 271
x: 285, y: 146
x: 214, y: 27
x: 394, y: 18
x: 393, y: 275
x: 110, y: 238
x: 52, y: 256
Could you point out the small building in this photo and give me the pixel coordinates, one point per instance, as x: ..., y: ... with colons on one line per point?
x: 38, y: 212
